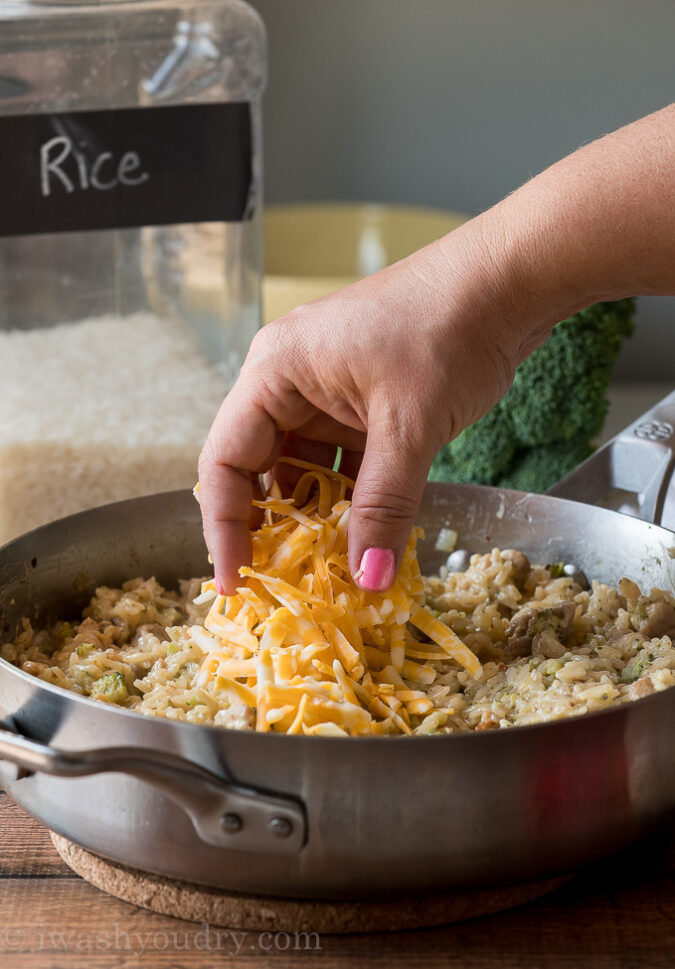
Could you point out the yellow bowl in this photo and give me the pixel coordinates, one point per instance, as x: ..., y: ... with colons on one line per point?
x: 314, y: 249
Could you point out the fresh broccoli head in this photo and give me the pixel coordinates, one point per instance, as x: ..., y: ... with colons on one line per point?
x: 480, y: 454
x: 546, y: 423
x: 537, y: 468
x: 560, y: 390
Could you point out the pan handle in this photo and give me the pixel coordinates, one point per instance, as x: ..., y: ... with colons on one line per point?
x: 639, y: 460
x: 223, y: 813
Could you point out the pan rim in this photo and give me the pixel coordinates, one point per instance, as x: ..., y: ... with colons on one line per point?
x: 215, y: 731
x: 179, y: 495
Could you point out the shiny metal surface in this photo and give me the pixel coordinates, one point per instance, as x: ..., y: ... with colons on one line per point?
x: 384, y: 815
x: 639, y: 461
x: 223, y: 814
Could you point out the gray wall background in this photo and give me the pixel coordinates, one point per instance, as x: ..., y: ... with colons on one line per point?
x: 454, y: 103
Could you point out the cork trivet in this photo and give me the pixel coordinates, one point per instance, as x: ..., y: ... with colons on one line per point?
x: 197, y: 903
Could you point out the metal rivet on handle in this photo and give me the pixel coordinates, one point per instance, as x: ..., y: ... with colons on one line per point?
x: 654, y: 430
x: 280, y: 827
x: 231, y: 823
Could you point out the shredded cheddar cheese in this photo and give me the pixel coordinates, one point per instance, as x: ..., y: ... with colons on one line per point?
x: 302, y: 645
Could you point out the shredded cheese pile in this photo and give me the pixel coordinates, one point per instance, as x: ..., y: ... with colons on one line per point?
x: 302, y: 645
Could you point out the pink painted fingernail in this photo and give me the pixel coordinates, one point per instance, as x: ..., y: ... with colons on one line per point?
x: 219, y: 588
x: 377, y: 569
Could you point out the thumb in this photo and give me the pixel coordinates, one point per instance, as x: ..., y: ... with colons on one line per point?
x: 385, y: 504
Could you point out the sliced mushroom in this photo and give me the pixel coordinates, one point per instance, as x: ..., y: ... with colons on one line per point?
x: 546, y: 645
x: 520, y: 565
x: 654, y: 619
x: 518, y: 636
x: 641, y: 687
x: 524, y: 634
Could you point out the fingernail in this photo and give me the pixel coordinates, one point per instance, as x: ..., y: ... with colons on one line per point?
x: 219, y: 588
x: 376, y: 569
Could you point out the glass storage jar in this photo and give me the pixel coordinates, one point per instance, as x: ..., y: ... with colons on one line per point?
x: 130, y: 242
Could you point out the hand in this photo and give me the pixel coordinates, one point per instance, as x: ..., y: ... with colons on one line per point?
x: 389, y: 369
x: 398, y: 364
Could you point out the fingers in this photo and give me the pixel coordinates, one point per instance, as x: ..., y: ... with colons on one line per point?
x: 244, y: 439
x: 225, y: 497
x: 317, y: 452
x: 328, y: 430
x: 350, y: 462
x: 384, y: 507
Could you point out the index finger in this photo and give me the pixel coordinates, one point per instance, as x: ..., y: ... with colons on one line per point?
x: 243, y: 441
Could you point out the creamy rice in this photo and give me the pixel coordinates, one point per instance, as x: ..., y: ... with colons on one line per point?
x: 550, y: 648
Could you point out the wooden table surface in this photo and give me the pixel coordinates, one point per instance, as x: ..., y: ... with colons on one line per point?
x: 619, y: 915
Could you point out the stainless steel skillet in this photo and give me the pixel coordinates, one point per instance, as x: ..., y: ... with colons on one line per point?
x: 345, y: 818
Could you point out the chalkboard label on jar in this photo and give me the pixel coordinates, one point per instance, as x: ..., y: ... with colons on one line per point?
x: 125, y: 168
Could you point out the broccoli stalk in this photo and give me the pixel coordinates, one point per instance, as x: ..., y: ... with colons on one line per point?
x: 546, y: 423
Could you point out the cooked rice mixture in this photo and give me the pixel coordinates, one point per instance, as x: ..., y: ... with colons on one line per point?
x: 501, y: 644
x: 549, y: 648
